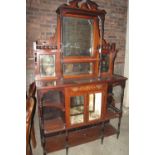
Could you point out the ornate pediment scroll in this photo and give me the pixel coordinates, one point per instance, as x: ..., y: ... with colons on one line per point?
x: 81, y: 4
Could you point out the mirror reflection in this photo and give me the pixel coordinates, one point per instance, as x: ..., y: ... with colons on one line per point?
x: 77, y: 109
x: 105, y: 63
x: 95, y: 106
x: 47, y: 65
x: 77, y: 36
x: 77, y: 68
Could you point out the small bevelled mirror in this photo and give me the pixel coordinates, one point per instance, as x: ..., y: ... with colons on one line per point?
x: 47, y: 65
x: 77, y: 36
x: 105, y: 63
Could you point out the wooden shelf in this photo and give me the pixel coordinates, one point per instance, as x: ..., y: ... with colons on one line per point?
x: 77, y: 137
x: 53, y: 125
x: 112, y: 112
x: 52, y: 96
x: 58, y: 105
x: 111, y: 115
x: 53, y: 99
x: 109, y: 130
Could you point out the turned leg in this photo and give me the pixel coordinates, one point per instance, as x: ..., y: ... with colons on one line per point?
x: 66, y: 150
x: 121, y: 109
x: 118, y: 130
x: 102, y: 138
x: 102, y: 133
x: 43, y: 145
x: 44, y: 152
x: 67, y: 142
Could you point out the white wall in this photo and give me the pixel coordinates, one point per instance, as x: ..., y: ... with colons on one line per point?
x: 126, y: 67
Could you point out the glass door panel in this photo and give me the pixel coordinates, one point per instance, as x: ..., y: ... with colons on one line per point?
x: 95, y: 103
x: 76, y: 110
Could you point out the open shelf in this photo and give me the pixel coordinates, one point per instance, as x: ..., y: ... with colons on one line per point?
x: 53, y: 96
x: 109, y: 130
x: 53, y: 99
x: 112, y: 112
x: 53, y: 125
x: 77, y: 137
x: 58, y: 105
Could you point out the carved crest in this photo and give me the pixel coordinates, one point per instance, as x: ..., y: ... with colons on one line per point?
x: 81, y: 4
x: 108, y: 47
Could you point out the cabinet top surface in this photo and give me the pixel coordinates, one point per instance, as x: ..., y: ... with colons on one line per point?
x: 73, y: 82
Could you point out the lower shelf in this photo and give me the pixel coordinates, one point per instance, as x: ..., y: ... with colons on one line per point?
x: 55, y: 143
x: 53, y: 125
x: 77, y: 137
x: 109, y: 130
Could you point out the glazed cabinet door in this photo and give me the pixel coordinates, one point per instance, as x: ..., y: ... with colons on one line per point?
x: 94, y: 106
x: 85, y: 104
x: 77, y: 108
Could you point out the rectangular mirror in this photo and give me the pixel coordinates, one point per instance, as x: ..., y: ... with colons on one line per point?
x: 77, y: 68
x: 105, y: 62
x: 77, y: 36
x: 47, y: 65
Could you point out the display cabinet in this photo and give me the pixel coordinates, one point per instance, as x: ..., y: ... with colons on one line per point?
x: 75, y: 81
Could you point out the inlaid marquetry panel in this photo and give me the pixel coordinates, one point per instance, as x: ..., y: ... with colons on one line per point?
x: 86, y: 88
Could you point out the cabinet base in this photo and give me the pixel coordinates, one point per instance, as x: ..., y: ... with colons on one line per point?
x: 77, y: 137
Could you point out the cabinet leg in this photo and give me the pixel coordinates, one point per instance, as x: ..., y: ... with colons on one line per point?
x: 44, y: 152
x: 121, y: 107
x: 43, y: 145
x: 102, y: 138
x: 66, y: 150
x: 67, y: 146
x: 118, y: 130
x: 102, y: 133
